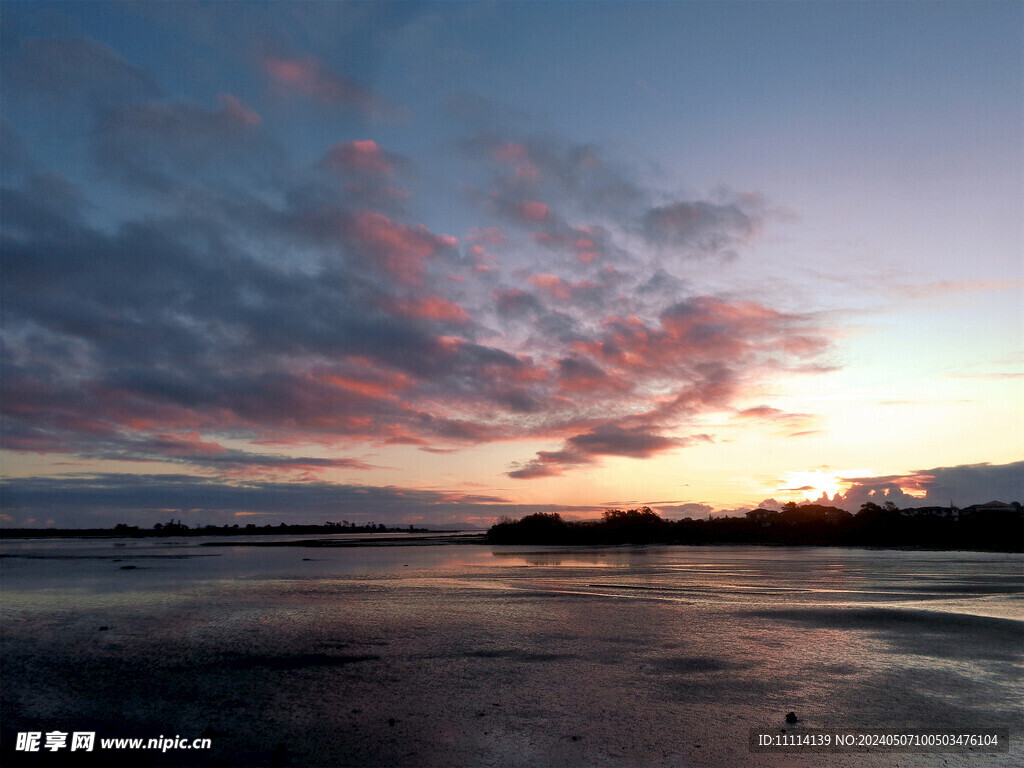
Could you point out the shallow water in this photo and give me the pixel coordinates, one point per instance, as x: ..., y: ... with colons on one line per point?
x: 475, y: 655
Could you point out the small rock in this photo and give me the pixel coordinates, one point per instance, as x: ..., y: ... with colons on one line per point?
x: 129, y: 567
x: 792, y: 718
x: 104, y: 628
x: 392, y: 721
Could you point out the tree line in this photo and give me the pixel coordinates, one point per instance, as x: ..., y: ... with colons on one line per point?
x: 999, y: 528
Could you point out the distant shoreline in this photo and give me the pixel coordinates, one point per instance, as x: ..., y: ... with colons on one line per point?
x: 992, y: 527
x: 130, y: 532
x: 456, y: 538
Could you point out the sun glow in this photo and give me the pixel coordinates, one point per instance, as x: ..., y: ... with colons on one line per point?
x: 809, y: 485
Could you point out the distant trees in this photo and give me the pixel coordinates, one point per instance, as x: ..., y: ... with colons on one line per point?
x: 171, y: 527
x: 641, y: 516
x: 992, y: 526
x: 541, y: 526
x: 634, y: 526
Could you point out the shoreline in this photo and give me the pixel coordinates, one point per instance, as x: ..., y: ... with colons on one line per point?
x: 480, y: 539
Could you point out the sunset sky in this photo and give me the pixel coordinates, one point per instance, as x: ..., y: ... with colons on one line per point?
x: 430, y: 263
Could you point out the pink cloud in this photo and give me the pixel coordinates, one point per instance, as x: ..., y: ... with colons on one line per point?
x: 517, y: 157
x: 361, y: 157
x: 365, y: 380
x: 561, y: 289
x: 432, y: 308
x: 760, y: 412
x: 398, y: 249
x: 588, y: 243
x: 310, y: 78
x: 189, y: 444
x: 486, y: 236
x: 533, y: 210
x: 553, y: 285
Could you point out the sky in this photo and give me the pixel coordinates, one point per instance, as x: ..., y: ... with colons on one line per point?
x: 442, y: 263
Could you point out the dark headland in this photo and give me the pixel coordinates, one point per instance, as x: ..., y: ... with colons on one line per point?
x: 996, y: 526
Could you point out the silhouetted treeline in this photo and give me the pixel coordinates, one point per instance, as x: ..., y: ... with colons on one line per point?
x: 994, y: 526
x: 177, y: 528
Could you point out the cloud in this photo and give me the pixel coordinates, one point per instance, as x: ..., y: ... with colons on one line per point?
x: 311, y: 78
x: 613, y: 440
x: 637, y: 442
x: 961, y: 485
x: 77, y: 67
x: 764, y: 414
x: 15, y: 158
x: 588, y: 243
x: 680, y: 511
x: 251, y: 302
x: 106, y: 499
x: 161, y: 145
x: 397, y: 249
x: 363, y: 159
x: 432, y: 308
x: 701, y: 226
x: 946, y: 287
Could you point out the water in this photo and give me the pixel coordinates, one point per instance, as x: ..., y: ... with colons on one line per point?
x: 466, y: 655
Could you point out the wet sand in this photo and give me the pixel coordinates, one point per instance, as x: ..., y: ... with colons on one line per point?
x: 468, y: 656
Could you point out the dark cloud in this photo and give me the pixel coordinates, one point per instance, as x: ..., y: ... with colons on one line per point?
x: 72, y: 68
x: 202, y: 455
x: 613, y: 440
x: 638, y: 442
x: 368, y: 174
x: 961, y: 485
x: 549, y: 464
x: 701, y: 226
x: 159, y: 144
x: 538, y: 164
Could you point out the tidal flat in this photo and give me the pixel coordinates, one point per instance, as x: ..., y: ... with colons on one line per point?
x: 476, y: 655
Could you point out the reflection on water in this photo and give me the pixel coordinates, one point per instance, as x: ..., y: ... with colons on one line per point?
x: 982, y: 584
x: 474, y: 655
